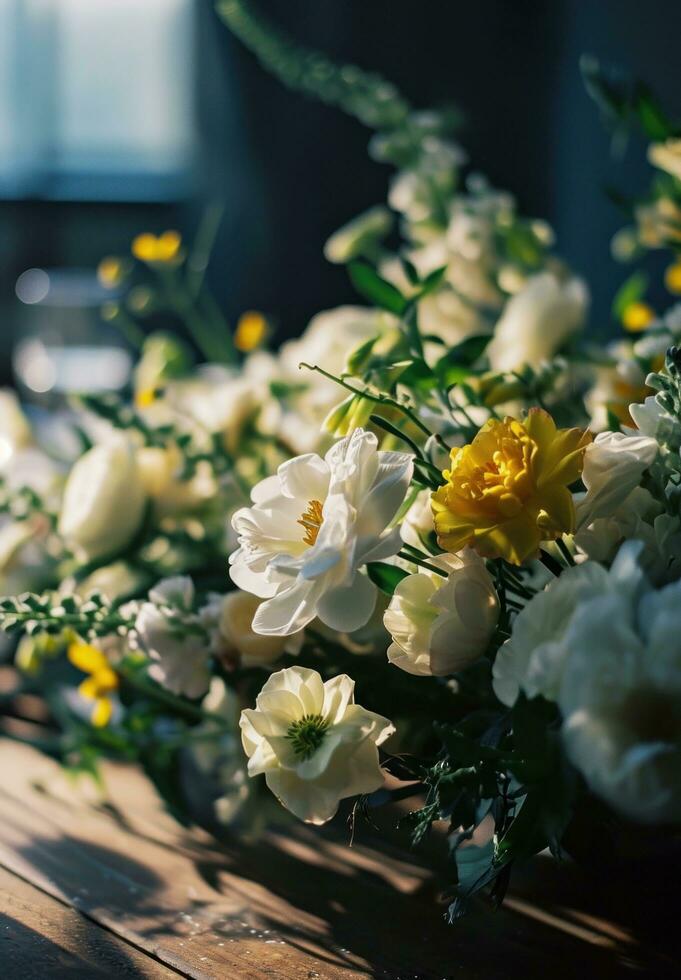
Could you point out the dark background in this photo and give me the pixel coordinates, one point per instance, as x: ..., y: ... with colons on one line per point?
x: 290, y: 171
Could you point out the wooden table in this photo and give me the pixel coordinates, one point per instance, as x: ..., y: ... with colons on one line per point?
x: 98, y: 886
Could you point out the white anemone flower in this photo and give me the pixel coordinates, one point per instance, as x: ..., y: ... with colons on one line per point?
x: 441, y: 625
x: 311, y: 529
x: 621, y: 701
x: 312, y: 742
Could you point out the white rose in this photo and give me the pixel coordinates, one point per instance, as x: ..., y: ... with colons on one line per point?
x: 441, y: 625
x: 537, y: 321
x: 310, y: 530
x: 104, y: 500
x: 621, y: 701
x: 312, y: 742
x: 613, y: 465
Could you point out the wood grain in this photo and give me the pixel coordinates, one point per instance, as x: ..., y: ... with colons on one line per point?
x: 40, y: 937
x: 294, y: 904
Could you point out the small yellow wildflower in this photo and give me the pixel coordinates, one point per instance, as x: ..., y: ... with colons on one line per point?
x: 101, y: 683
x: 157, y: 248
x: 637, y: 317
x: 250, y: 331
x: 508, y: 490
x: 672, y: 278
x: 111, y: 271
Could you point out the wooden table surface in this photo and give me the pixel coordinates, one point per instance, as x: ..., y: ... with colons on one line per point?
x: 110, y: 885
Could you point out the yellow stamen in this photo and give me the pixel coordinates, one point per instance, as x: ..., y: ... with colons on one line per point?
x: 311, y: 520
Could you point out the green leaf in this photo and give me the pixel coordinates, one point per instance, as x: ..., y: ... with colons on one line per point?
x: 454, y: 366
x: 432, y: 280
x: 631, y: 291
x: 369, y: 284
x: 386, y: 577
x: 654, y: 121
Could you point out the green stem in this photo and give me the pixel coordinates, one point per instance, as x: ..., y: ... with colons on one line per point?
x: 548, y: 561
x: 565, y: 551
x: 379, y: 399
x: 424, y: 564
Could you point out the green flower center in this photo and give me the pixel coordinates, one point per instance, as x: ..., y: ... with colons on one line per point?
x: 307, y: 734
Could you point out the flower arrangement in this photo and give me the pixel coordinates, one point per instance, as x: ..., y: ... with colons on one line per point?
x: 445, y: 500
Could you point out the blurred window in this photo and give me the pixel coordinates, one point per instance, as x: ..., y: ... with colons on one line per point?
x: 96, y: 98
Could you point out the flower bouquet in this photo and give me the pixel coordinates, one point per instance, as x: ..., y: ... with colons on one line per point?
x: 454, y: 581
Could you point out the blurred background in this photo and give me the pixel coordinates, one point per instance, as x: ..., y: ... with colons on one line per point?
x: 123, y: 116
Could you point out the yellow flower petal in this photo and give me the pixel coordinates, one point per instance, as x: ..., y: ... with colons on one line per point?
x: 101, y: 713
x: 507, y: 491
x: 144, y: 247
x: 637, y: 317
x: 672, y: 278
x: 250, y: 331
x: 87, y: 658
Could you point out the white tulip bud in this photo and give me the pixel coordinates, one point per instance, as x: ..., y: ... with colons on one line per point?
x: 103, y: 501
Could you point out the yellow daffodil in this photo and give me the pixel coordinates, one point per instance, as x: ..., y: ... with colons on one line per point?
x: 672, y: 278
x: 157, y: 248
x: 637, y: 316
x: 101, y: 683
x: 508, y: 490
x: 250, y: 331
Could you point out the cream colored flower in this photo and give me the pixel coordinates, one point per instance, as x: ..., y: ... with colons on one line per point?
x: 620, y: 697
x: 104, y: 500
x: 537, y: 321
x: 441, y: 625
x: 230, y: 619
x: 160, y: 471
x: 667, y: 156
x: 312, y: 742
x: 311, y: 529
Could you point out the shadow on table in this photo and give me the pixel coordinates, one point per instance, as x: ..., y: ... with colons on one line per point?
x: 28, y: 953
x: 350, y: 908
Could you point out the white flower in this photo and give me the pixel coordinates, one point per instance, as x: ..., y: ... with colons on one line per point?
x: 537, y: 321
x: 613, y: 466
x: 533, y: 659
x: 160, y: 472
x: 417, y: 523
x: 358, y: 235
x: 621, y: 701
x: 230, y: 619
x: 642, y: 518
x: 439, y: 626
x: 667, y: 156
x: 15, y: 431
x: 310, y: 530
x: 180, y: 657
x: 655, y: 421
x: 104, y: 500
x: 312, y: 742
